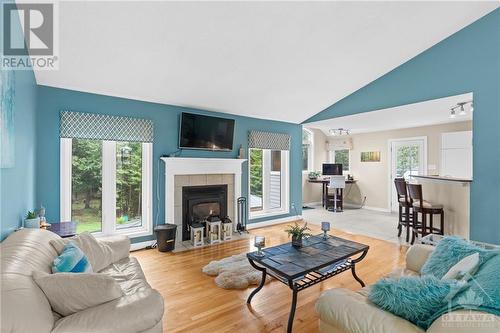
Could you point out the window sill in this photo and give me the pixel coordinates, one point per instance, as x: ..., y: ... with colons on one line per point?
x: 268, y: 214
x: 129, y: 233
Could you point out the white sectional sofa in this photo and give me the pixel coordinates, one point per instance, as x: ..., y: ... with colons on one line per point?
x: 25, y: 308
x: 346, y: 311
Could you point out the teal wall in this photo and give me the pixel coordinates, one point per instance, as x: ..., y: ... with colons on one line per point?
x: 166, y: 123
x: 17, y: 194
x: 468, y: 61
x: 18, y: 183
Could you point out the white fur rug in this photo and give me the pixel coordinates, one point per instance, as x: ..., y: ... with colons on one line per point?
x: 233, y: 272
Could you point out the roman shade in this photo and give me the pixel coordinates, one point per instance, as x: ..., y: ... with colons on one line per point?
x: 267, y: 140
x: 82, y: 125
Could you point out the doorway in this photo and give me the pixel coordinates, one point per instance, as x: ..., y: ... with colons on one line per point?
x: 408, y: 158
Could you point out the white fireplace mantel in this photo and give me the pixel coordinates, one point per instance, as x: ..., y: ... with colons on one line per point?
x: 198, y: 166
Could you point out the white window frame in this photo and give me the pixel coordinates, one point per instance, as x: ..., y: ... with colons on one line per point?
x: 310, y: 151
x: 266, y: 211
x: 108, y: 226
x: 332, y: 159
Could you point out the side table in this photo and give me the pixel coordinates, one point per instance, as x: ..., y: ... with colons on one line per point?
x: 64, y: 229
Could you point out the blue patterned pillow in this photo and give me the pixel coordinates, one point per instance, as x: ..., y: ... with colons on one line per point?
x: 449, y: 251
x: 71, y: 260
x: 414, y: 298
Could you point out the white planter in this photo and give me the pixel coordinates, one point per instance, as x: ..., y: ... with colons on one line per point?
x: 32, y: 223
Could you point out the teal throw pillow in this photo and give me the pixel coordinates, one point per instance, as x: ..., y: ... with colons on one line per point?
x: 71, y: 260
x: 414, y: 298
x: 449, y: 251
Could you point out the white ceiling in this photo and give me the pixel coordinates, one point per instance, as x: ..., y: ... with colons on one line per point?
x: 432, y: 112
x: 274, y: 60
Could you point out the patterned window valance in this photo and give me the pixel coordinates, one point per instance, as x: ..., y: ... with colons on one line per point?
x: 103, y: 127
x: 266, y: 140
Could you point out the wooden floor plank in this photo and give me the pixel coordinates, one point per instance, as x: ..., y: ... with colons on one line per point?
x: 193, y: 303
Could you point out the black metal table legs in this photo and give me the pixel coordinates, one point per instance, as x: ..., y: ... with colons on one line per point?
x: 292, y: 309
x: 262, y: 282
x: 353, y: 268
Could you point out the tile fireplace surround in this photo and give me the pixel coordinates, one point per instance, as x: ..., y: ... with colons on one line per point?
x: 185, y: 171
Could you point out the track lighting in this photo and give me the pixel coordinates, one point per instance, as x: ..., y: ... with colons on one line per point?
x: 339, y: 131
x: 462, y: 112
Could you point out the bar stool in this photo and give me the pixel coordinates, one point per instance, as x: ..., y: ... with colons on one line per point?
x: 336, y: 183
x: 424, y: 208
x: 405, y: 207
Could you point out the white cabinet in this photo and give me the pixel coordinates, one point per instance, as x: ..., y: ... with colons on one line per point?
x: 456, y: 154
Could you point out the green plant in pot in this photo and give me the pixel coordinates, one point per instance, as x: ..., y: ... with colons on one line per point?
x: 298, y: 233
x: 314, y: 175
x: 32, y: 220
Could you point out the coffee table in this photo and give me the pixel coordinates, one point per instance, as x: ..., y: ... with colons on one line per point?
x: 300, y: 268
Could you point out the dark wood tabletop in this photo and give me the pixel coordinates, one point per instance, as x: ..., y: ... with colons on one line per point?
x: 316, y: 253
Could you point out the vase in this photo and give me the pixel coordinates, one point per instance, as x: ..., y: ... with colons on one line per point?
x: 32, y: 223
x: 297, y: 241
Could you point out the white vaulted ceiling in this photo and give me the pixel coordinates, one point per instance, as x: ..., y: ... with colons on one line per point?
x: 274, y: 60
x: 424, y: 113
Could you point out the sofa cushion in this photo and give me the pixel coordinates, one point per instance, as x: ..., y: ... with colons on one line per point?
x: 349, y: 311
x: 21, y: 253
x: 413, y: 298
x: 100, y: 254
x: 69, y: 292
x: 71, y: 260
x: 129, y: 275
x: 133, y: 313
x: 449, y: 251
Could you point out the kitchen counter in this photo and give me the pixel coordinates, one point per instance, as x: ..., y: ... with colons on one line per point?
x: 445, y: 178
x: 454, y: 195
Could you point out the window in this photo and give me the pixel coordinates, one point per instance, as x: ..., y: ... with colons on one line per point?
x: 341, y: 156
x: 106, y: 186
x: 86, y: 184
x: 307, y: 150
x: 268, y: 180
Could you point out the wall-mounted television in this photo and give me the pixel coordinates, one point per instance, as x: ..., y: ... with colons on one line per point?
x: 205, y: 132
x: 332, y: 169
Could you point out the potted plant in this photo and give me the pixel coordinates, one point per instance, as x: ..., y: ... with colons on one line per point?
x: 32, y: 220
x: 298, y: 233
x: 314, y: 175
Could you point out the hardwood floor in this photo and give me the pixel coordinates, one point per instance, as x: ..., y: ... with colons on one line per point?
x: 193, y: 303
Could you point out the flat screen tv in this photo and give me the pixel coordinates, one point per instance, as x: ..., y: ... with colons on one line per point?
x: 331, y: 169
x: 205, y: 132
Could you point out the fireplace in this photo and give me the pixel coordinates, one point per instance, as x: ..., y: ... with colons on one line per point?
x: 200, y: 202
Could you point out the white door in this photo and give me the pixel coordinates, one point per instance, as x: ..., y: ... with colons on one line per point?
x: 408, y: 158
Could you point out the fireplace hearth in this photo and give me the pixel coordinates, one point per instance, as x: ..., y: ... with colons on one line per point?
x: 200, y: 203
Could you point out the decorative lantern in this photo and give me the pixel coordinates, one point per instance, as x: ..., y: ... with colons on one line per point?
x: 197, y: 234
x: 259, y: 243
x: 227, y: 229
x: 213, y: 231
x: 325, y: 226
